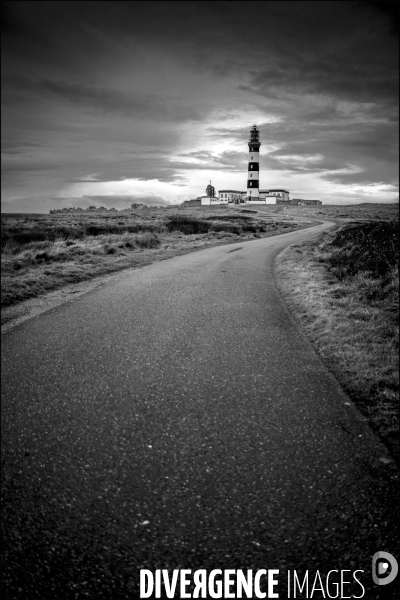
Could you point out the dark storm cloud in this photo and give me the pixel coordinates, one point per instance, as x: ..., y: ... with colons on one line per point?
x: 14, y: 147
x: 94, y: 98
x: 345, y: 49
x: 113, y: 167
x: 328, y: 46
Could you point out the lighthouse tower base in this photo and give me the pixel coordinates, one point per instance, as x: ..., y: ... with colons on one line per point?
x: 251, y: 201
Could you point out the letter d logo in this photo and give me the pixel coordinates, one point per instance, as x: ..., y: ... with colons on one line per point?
x: 386, y: 560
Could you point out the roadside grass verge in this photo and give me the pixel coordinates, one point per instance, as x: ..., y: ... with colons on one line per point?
x: 37, y: 267
x: 342, y: 289
x: 43, y: 253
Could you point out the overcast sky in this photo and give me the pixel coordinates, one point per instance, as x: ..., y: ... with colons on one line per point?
x: 108, y: 103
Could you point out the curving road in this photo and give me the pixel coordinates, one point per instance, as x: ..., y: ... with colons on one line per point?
x: 176, y: 418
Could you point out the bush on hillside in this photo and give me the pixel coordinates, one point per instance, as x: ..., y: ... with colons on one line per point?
x: 372, y: 247
x: 229, y: 217
x: 187, y: 225
x: 226, y: 227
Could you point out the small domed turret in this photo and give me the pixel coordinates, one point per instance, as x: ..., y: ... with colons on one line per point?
x: 210, y: 190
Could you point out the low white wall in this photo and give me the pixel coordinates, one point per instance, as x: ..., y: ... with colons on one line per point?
x: 207, y: 201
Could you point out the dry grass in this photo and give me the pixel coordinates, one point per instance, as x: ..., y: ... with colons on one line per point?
x: 36, y: 267
x: 344, y: 295
x: 344, y: 213
x: 41, y: 253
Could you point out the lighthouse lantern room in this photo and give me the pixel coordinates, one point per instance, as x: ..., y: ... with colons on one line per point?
x: 253, y: 171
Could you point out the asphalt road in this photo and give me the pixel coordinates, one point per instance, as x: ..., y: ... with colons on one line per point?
x: 176, y: 418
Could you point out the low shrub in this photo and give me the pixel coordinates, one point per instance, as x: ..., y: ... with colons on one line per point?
x: 229, y: 217
x: 226, y: 227
x: 146, y: 240
x: 250, y: 228
x: 187, y: 225
x: 42, y: 256
x: 365, y: 255
x: 371, y: 246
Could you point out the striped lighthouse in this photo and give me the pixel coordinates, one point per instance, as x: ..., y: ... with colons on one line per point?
x: 253, y: 170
